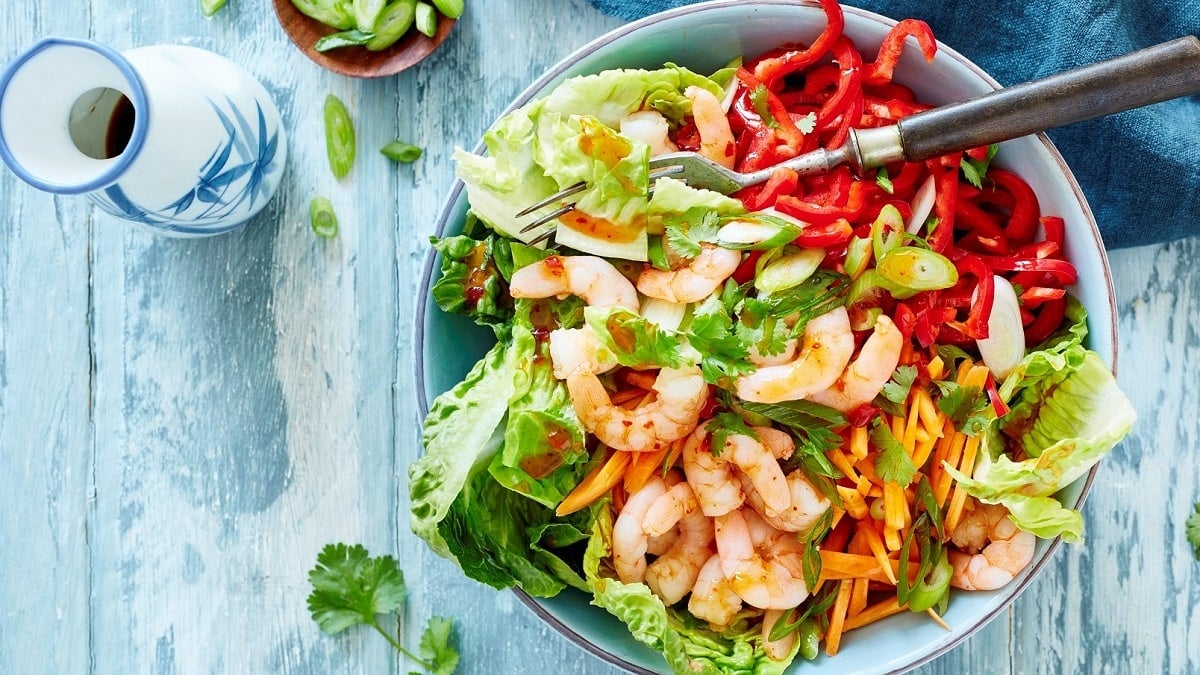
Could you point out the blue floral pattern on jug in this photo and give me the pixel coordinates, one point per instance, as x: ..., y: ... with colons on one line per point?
x: 232, y: 180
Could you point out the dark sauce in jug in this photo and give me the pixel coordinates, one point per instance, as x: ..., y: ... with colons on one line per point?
x: 120, y: 128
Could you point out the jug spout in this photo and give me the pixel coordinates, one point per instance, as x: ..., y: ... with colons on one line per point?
x: 73, y: 115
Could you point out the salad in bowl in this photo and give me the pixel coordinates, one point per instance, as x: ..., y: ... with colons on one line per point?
x: 749, y: 428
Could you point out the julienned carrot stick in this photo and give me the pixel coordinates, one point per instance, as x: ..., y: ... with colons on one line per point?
x: 600, y: 480
x: 858, y: 597
x: 875, y: 543
x: 879, y: 610
x: 642, y: 467
x: 833, y: 639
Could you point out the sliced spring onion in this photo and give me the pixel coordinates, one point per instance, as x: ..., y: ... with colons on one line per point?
x: 426, y: 19
x: 788, y: 270
x: 451, y: 8
x: 887, y: 232
x: 858, y: 256
x: 400, y: 151
x: 211, y: 7
x: 346, y: 38
x: 1004, y: 347
x: 339, y: 137
x: 322, y: 218
x: 922, y: 205
x: 757, y: 231
x: 663, y: 313
x: 908, y: 270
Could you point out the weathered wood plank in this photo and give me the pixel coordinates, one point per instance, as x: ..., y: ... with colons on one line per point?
x: 45, y: 440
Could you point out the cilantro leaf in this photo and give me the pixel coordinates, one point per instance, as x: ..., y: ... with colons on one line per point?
x: 1193, y: 529
x: 806, y: 124
x: 436, y: 645
x: 965, y: 406
x: 893, y: 464
x: 684, y: 235
x: 975, y: 169
x: 722, y: 426
x: 758, y: 100
x: 896, y: 389
x: 350, y: 587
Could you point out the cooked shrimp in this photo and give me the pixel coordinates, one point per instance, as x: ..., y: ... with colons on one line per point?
x: 866, y: 375
x: 662, y: 543
x: 674, y: 573
x: 780, y: 443
x: 591, y: 278
x: 716, y: 138
x: 805, y: 505
x: 1003, y: 549
x: 651, y: 128
x: 578, y: 350
x: 629, y: 539
x: 824, y: 353
x: 759, y: 465
x: 713, y: 598
x: 675, y: 412
x: 712, y: 480
x: 766, y: 577
x: 693, y: 283
x: 778, y: 649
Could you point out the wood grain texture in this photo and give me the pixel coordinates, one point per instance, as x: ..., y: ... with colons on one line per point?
x: 183, y: 424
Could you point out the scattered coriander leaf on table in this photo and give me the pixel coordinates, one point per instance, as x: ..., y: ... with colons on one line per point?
x: 351, y: 588
x: 339, y: 136
x: 1193, y: 529
x: 322, y: 218
x: 401, y: 152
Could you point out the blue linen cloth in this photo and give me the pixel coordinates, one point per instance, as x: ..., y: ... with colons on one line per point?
x: 1140, y: 170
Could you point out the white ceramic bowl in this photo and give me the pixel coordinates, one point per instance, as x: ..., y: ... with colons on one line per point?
x: 704, y: 37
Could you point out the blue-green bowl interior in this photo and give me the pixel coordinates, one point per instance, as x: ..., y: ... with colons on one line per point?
x: 705, y: 37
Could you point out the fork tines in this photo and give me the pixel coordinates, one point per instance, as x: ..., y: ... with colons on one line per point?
x: 655, y: 174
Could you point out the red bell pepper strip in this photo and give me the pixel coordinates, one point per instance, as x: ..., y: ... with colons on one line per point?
x: 1037, y: 295
x: 850, y: 117
x: 772, y: 71
x: 1022, y: 224
x: 782, y: 182
x: 1055, y: 230
x: 1047, y: 321
x: 946, y: 196
x: 880, y: 71
x: 825, y: 235
x: 993, y: 394
x: 1061, y: 271
x: 849, y: 85
x: 745, y: 270
x: 905, y: 319
x: 976, y: 324
x: 786, y: 131
x: 823, y: 214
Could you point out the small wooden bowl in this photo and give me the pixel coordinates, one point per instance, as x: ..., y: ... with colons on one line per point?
x: 358, y: 61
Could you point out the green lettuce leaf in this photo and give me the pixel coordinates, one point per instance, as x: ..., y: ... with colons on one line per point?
x: 544, y: 453
x: 674, y: 197
x: 634, y: 340
x: 612, y: 94
x: 507, y: 180
x: 1067, y: 412
x: 472, y: 279
x: 461, y: 432
x: 687, y: 644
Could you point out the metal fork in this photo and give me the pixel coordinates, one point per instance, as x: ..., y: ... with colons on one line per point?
x: 1147, y: 76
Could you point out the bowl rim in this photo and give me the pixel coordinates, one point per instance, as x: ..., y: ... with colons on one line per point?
x: 569, y: 61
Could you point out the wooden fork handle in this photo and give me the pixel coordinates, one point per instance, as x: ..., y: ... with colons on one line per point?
x: 1151, y: 75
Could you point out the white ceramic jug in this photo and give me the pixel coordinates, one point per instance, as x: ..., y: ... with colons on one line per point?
x: 174, y: 138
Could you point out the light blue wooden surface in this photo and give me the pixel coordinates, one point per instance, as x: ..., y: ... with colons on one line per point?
x: 184, y: 424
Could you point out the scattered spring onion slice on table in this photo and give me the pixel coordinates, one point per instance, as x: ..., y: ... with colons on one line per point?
x: 374, y: 24
x: 211, y: 7
x: 401, y: 152
x: 339, y: 136
x: 322, y: 218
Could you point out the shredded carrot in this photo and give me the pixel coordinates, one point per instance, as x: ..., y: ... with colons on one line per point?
x: 875, y: 543
x: 895, y: 507
x: 880, y: 610
x: 833, y: 638
x: 891, y: 537
x: 853, y: 501
x: 858, y: 597
x: 836, y: 565
x: 641, y: 380
x: 930, y: 416
x: 642, y: 467
x: 936, y: 368
x: 858, y: 442
x: 923, y: 450
x: 623, y: 397
x: 898, y: 427
x: 599, y: 480
x: 839, y: 459
x: 909, y: 439
x: 960, y: 496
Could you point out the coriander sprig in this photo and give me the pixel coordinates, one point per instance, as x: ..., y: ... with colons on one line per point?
x: 350, y: 588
